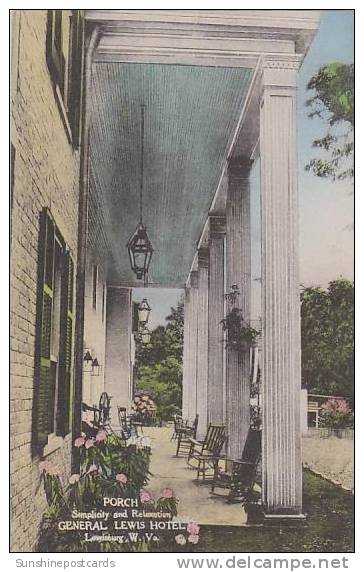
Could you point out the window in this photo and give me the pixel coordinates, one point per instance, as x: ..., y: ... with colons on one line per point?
x: 65, y: 37
x: 54, y: 337
x: 94, y: 285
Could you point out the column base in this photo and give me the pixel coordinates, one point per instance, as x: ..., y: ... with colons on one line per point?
x: 284, y: 519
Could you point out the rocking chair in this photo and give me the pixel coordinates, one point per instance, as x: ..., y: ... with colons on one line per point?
x: 241, y: 477
x: 178, y: 423
x: 205, y: 452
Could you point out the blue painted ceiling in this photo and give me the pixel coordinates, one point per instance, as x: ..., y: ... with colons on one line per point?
x: 190, y: 117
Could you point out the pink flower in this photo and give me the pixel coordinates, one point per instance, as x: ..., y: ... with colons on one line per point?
x: 79, y: 441
x: 89, y: 443
x: 146, y: 496
x: 101, y: 436
x: 122, y: 478
x: 74, y: 479
x: 167, y: 494
x: 53, y: 470
x: 180, y: 539
x: 93, y: 469
x: 193, y: 528
x: 193, y: 538
x: 336, y: 406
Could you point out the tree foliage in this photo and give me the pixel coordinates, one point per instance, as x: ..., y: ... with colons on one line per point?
x: 159, y: 364
x: 333, y: 101
x: 327, y: 326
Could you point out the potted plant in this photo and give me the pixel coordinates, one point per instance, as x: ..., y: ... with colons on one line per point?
x: 240, y: 334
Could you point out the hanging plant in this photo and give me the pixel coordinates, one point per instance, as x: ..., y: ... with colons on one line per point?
x: 240, y: 334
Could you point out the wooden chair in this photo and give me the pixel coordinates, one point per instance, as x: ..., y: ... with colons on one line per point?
x: 128, y: 427
x: 178, y: 423
x: 124, y: 425
x: 184, y: 434
x: 205, y: 452
x: 239, y: 476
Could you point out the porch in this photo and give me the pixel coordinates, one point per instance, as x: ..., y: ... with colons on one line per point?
x: 180, y: 107
x: 195, y: 499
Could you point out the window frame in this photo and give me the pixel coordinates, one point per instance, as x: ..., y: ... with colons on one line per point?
x: 54, y: 379
x: 66, y: 73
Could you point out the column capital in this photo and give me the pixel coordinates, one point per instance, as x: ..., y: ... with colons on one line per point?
x: 283, y: 61
x: 203, y: 257
x: 217, y: 226
x: 279, y: 73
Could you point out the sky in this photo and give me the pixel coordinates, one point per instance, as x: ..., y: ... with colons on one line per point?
x: 326, y: 208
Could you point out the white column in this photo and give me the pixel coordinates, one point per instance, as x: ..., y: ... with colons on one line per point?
x: 238, y: 272
x: 193, y: 346
x: 203, y: 333
x: 118, y: 349
x: 215, y: 388
x: 281, y: 368
x: 187, y: 385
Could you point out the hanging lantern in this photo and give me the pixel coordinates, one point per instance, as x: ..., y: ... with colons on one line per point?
x: 145, y: 336
x: 140, y: 252
x: 143, y: 312
x: 139, y: 246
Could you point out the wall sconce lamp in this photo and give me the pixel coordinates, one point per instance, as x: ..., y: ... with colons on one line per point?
x: 95, y: 367
x: 87, y: 360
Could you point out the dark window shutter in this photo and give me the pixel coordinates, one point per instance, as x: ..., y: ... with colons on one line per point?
x: 76, y: 67
x: 55, y: 58
x: 44, y: 373
x: 65, y: 379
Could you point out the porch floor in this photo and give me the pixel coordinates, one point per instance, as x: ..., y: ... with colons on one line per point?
x: 195, y: 499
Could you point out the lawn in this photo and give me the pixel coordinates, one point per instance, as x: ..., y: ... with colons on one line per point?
x: 329, y: 526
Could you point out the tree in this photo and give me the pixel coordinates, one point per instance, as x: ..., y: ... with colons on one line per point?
x: 159, y: 364
x: 333, y: 101
x: 327, y: 326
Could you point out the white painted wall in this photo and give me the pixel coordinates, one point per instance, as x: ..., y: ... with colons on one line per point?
x: 94, y: 330
x: 118, y: 357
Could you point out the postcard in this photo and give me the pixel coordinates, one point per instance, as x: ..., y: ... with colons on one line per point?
x: 181, y: 271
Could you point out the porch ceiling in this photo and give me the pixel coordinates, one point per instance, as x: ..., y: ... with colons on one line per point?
x: 191, y: 114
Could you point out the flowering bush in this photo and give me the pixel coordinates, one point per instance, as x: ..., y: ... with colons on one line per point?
x: 167, y: 502
x: 108, y: 468
x: 143, y: 407
x: 336, y: 414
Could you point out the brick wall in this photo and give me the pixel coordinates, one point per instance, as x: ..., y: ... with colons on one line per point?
x: 46, y: 173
